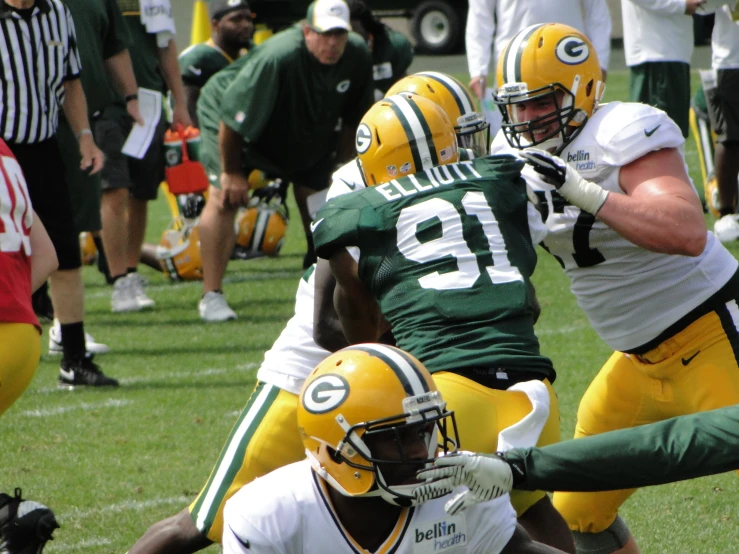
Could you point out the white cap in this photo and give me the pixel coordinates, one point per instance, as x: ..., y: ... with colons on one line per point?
x: 326, y: 15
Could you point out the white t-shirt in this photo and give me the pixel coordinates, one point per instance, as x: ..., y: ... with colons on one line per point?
x: 497, y: 21
x: 629, y: 294
x: 656, y: 31
x: 289, y: 512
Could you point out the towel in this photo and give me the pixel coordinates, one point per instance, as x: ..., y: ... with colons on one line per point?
x: 526, y: 432
x: 156, y: 16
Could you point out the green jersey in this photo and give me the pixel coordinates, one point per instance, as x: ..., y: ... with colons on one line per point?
x: 289, y: 107
x: 680, y: 448
x: 392, y: 54
x: 101, y: 34
x: 448, y: 255
x: 200, y: 62
x: 144, y: 49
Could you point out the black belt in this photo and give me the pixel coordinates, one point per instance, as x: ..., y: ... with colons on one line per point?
x: 497, y: 378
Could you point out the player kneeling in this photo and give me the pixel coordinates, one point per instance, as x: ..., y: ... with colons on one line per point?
x: 370, y: 417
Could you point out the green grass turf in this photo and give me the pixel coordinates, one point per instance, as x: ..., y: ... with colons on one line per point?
x: 110, y: 463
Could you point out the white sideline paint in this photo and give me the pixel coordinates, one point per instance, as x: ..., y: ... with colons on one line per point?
x: 261, y: 276
x: 169, y: 376
x: 90, y: 543
x: 110, y: 403
x: 561, y: 330
x: 127, y: 506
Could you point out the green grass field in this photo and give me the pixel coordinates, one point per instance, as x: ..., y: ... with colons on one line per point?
x: 110, y: 463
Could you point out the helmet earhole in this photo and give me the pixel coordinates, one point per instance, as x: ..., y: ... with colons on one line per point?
x: 541, y: 42
x: 589, y: 88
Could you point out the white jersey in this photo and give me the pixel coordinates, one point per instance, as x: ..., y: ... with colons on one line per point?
x: 629, y: 294
x: 295, y: 354
x: 289, y: 512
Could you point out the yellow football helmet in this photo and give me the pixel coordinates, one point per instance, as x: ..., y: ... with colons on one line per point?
x: 710, y: 190
x: 261, y: 227
x: 553, y: 62
x: 88, y: 249
x: 179, y: 253
x: 362, y: 396
x: 454, y: 99
x: 404, y: 134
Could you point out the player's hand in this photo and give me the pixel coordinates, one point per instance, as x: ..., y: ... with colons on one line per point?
x: 180, y: 116
x: 478, y: 85
x: 132, y: 107
x: 691, y: 6
x: 486, y: 476
x: 568, y: 182
x: 92, y: 157
x: 234, y: 190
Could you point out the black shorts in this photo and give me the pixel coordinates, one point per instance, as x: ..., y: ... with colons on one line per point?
x: 723, y: 105
x: 84, y: 189
x: 111, y: 127
x: 44, y: 170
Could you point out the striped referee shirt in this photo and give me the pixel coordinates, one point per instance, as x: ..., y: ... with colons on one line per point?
x: 38, y: 52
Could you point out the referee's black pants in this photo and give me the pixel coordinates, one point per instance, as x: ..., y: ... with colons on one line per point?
x: 45, y: 175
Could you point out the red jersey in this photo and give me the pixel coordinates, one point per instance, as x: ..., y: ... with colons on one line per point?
x: 16, y: 217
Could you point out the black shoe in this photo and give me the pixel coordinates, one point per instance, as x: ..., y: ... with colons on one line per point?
x: 83, y: 372
x: 28, y: 532
x: 42, y: 304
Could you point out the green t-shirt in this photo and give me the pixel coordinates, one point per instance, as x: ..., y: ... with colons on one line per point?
x: 289, y: 107
x: 448, y: 255
x: 200, y: 62
x: 392, y: 54
x: 144, y: 50
x: 101, y: 34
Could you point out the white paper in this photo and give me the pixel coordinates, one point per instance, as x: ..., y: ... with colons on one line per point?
x: 140, y: 137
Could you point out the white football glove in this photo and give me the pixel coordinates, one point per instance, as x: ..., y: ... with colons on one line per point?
x: 486, y: 476
x: 569, y: 183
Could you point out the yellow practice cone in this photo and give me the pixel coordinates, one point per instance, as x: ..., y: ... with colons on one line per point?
x: 200, y: 31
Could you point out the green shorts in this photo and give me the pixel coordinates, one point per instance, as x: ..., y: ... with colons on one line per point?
x: 84, y: 189
x: 664, y: 85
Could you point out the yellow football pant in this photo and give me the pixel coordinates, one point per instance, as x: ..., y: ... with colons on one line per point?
x: 264, y: 438
x: 482, y: 412
x: 695, y: 370
x: 20, y: 350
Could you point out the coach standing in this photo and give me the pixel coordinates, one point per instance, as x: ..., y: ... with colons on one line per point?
x: 39, y: 75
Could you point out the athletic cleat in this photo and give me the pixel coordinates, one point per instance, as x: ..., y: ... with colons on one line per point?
x: 726, y: 229
x: 83, y: 372
x: 25, y: 526
x: 124, y: 297
x: 56, y: 347
x: 137, y: 284
x: 213, y: 307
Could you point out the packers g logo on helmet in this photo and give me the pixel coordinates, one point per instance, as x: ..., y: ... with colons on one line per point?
x: 364, y: 138
x: 325, y: 393
x: 550, y: 62
x: 572, y: 50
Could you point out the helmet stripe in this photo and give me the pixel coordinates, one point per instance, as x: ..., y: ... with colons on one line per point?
x: 421, y: 143
x: 514, y: 53
x: 404, y: 367
x: 459, y: 93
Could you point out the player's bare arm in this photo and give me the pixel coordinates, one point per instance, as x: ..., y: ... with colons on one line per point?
x: 660, y: 210
x: 234, y: 184
x: 358, y: 311
x: 327, y: 331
